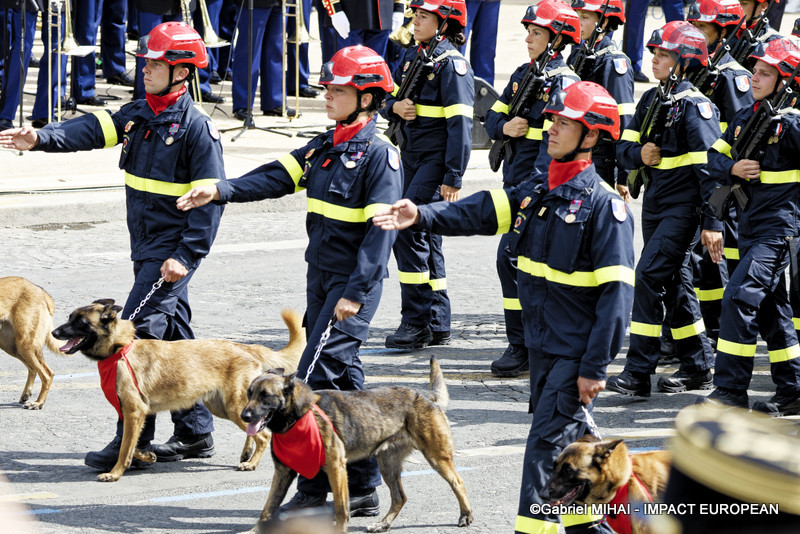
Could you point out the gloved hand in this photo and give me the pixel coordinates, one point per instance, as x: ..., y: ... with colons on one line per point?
x: 341, y: 24
x: 397, y: 20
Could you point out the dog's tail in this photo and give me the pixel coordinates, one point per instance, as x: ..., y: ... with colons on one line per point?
x: 288, y: 357
x: 52, y: 343
x: 439, y: 394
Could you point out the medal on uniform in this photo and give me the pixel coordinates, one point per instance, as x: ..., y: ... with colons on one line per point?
x: 570, y: 218
x: 169, y: 140
x: 431, y: 76
x: 173, y: 129
x: 574, y: 206
x: 350, y: 164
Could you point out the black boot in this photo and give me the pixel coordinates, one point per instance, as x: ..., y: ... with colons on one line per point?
x: 630, y: 383
x: 513, y: 362
x: 440, y: 337
x: 779, y: 405
x: 409, y: 336
x: 728, y: 397
x: 364, y: 504
x: 682, y: 380
x: 179, y: 448
x: 303, y: 500
x: 106, y: 459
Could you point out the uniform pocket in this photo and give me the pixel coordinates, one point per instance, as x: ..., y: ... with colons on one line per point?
x: 760, y: 280
x: 563, y: 426
x: 565, y: 238
x: 167, y: 152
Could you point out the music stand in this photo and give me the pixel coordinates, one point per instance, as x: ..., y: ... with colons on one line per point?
x: 248, y: 123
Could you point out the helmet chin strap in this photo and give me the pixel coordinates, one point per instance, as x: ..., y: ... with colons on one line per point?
x: 172, y: 83
x: 577, y: 150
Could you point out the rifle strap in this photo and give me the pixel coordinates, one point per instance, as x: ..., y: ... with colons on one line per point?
x: 447, y: 53
x: 732, y: 65
x: 552, y: 73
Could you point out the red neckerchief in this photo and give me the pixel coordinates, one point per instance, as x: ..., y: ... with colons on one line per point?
x: 621, y: 523
x: 108, y: 376
x: 344, y: 133
x: 560, y: 173
x: 300, y: 448
x: 160, y: 103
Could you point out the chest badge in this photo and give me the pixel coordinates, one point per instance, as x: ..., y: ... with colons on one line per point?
x: 514, y: 87
x: 524, y: 203
x: 129, y: 126
x: 309, y: 153
x: 737, y: 131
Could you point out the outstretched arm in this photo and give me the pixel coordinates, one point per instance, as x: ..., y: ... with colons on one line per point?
x: 24, y: 138
x: 199, y: 196
x: 399, y: 216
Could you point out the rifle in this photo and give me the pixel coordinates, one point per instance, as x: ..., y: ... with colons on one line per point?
x: 412, y: 84
x: 652, y: 127
x: 585, y: 56
x: 752, y: 145
x: 744, y: 47
x: 528, y: 91
x: 705, y: 78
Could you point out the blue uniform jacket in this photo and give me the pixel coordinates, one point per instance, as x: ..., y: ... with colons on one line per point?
x: 731, y: 90
x: 530, y: 157
x: 680, y: 181
x: 612, y: 69
x: 444, y: 110
x: 345, y: 185
x: 576, y: 261
x: 164, y: 156
x: 774, y: 208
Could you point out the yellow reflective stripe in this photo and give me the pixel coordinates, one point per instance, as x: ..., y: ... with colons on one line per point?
x: 396, y: 88
x: 149, y: 185
x: 537, y: 133
x: 435, y: 112
x: 723, y: 126
x: 529, y: 525
x: 644, y: 329
x: 731, y: 253
x: 796, y: 322
x: 511, y: 304
x: 736, y: 349
x: 709, y: 295
x: 414, y: 278
x: 500, y: 107
x: 372, y: 209
x: 502, y: 209
x: 107, y: 125
x: 614, y: 273
x: 341, y: 213
x: 721, y: 146
x: 628, y: 108
x: 688, y: 331
x: 293, y: 168
x: 438, y: 284
x: 780, y: 177
x: 458, y: 109
x: 784, y: 355
x: 630, y: 135
x: 570, y: 520
x: 690, y: 158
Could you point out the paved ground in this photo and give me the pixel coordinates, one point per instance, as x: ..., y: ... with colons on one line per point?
x: 75, y: 246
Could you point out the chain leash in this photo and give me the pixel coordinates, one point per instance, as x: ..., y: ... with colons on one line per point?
x: 322, y: 340
x: 146, y: 298
x: 590, y: 421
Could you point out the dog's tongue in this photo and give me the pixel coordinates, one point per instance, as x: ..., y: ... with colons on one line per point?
x: 70, y: 344
x: 254, y: 428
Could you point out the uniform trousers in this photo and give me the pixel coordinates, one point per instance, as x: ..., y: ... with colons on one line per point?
x: 481, y: 30
x: 267, y: 58
x: 507, y: 272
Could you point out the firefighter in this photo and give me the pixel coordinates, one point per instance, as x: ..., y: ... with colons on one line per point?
x: 676, y: 195
x: 525, y: 134
x: 439, y: 134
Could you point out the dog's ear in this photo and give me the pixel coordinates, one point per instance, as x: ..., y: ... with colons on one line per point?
x: 288, y: 384
x: 278, y: 371
x: 104, y: 302
x: 109, y: 312
x: 604, y: 449
x: 588, y: 438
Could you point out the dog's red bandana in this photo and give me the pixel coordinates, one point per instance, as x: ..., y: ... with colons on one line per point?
x: 621, y: 523
x: 108, y: 376
x: 300, y: 448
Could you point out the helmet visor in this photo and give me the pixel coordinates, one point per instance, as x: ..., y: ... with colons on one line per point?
x: 172, y: 56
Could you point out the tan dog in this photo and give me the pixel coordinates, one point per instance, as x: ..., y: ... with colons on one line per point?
x: 591, y: 471
x: 26, y: 318
x: 388, y: 422
x: 174, y: 375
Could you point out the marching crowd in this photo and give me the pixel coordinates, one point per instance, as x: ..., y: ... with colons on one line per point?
x: 574, y: 147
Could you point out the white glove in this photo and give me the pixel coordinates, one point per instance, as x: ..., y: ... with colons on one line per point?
x: 397, y: 20
x: 341, y: 24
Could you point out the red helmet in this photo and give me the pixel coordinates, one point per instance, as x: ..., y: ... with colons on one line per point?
x: 359, y: 66
x: 457, y: 9
x: 588, y: 103
x: 555, y: 15
x: 720, y: 12
x: 614, y: 8
x: 782, y: 54
x: 174, y: 42
x: 681, y: 38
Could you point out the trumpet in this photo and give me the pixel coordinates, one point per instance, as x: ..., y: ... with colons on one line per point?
x: 210, y: 37
x: 186, y: 16
x: 69, y: 44
x: 405, y: 33
x: 300, y: 32
x: 300, y: 36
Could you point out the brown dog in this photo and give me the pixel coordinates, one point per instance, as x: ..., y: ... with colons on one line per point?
x: 174, y: 375
x: 591, y: 471
x: 388, y: 422
x: 26, y: 318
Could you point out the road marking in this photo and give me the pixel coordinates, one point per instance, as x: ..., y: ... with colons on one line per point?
x: 19, y: 497
x: 40, y: 511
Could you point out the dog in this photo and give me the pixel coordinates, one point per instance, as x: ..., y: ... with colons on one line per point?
x: 174, y: 375
x: 26, y: 318
x: 591, y: 471
x: 388, y: 422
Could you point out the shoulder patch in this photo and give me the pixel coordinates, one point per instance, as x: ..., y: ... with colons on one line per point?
x: 620, y: 65
x: 393, y: 159
x: 618, y: 209
x: 212, y: 130
x: 742, y: 83
x: 460, y: 66
x: 705, y: 110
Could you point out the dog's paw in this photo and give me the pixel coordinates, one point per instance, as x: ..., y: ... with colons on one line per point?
x: 465, y: 520
x: 24, y: 398
x: 381, y: 526
x: 145, y: 456
x: 246, y: 466
x: 33, y: 405
x: 108, y: 477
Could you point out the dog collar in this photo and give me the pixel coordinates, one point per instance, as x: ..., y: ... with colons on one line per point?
x: 108, y: 376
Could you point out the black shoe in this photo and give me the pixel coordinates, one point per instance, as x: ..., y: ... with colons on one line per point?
x: 215, y: 78
x: 91, y: 101
x: 630, y: 383
x: 779, y: 405
x: 5, y: 124
x: 39, y: 123
x: 211, y: 98
x: 177, y: 449
x: 106, y: 459
x: 681, y: 380
x: 305, y: 92
x: 513, y: 362
x: 278, y: 112
x: 364, y: 505
x: 408, y: 336
x: 121, y: 79
x: 240, y: 114
x: 440, y: 338
x: 728, y: 397
x: 640, y: 77
x: 302, y: 500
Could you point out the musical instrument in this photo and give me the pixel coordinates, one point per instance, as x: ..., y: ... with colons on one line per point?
x: 186, y: 16
x: 404, y: 34
x: 300, y: 36
x: 210, y: 37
